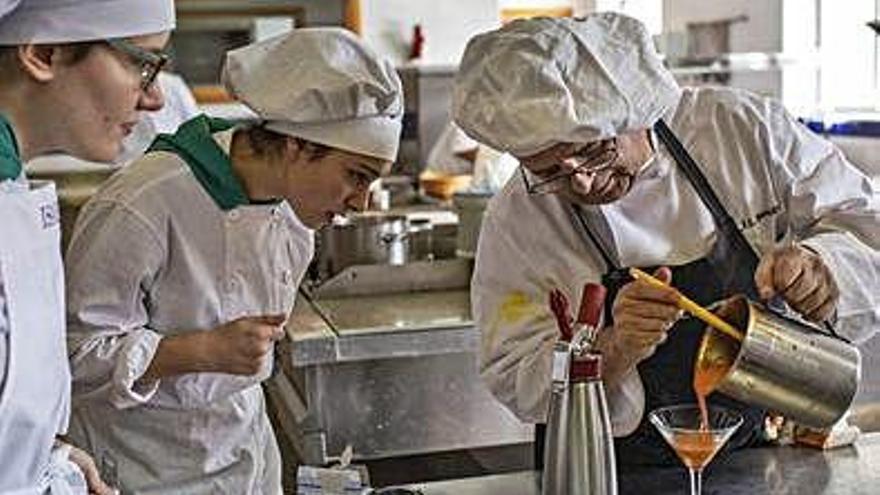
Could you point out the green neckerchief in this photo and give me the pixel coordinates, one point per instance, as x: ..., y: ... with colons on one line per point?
x: 10, y: 160
x: 209, y: 163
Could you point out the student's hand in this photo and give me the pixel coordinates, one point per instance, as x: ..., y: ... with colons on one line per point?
x: 642, y: 315
x: 242, y: 346
x: 86, y: 464
x: 801, y: 277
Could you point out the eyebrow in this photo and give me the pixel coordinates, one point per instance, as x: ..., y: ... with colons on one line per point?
x: 367, y: 170
x: 161, y: 50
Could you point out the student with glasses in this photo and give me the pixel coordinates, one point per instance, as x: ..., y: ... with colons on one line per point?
x: 74, y: 75
x: 719, y: 190
x: 184, y: 266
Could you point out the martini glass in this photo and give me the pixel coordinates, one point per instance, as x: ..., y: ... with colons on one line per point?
x: 695, y: 440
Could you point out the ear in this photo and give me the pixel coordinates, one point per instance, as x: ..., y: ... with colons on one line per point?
x: 293, y: 150
x: 40, y: 62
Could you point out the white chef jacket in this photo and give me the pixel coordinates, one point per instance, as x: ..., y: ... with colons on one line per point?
x: 776, y: 179
x: 153, y: 255
x: 34, y: 374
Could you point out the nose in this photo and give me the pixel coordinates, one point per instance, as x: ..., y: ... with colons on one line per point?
x: 583, y: 182
x: 570, y: 164
x: 152, y: 98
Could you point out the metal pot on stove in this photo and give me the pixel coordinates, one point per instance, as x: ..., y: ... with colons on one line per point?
x: 364, y: 239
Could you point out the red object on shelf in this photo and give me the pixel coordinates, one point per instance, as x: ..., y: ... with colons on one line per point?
x: 418, y: 43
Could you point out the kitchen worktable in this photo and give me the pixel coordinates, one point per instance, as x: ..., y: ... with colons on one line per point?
x: 391, y: 374
x: 381, y: 326
x: 852, y: 470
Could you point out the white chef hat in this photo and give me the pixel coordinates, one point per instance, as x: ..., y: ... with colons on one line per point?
x: 67, y: 21
x: 537, y: 82
x: 323, y: 85
x: 6, y: 6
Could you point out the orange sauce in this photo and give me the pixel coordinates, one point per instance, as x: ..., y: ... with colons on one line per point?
x: 695, y: 448
x: 705, y: 380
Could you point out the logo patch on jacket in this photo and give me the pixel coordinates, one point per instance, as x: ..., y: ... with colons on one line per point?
x: 49, y: 215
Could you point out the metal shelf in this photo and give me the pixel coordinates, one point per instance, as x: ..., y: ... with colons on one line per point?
x: 739, y: 62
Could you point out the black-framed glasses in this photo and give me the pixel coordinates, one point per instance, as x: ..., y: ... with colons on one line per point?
x: 150, y: 63
x: 592, y: 158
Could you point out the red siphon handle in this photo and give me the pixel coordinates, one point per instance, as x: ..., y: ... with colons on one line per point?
x: 559, y: 308
x: 592, y: 304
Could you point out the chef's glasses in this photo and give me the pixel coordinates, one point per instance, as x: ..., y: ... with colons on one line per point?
x: 149, y: 62
x: 589, y: 159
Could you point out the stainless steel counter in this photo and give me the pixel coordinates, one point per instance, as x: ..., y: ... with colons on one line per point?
x: 391, y: 374
x: 396, y: 374
x: 766, y: 471
x: 381, y: 326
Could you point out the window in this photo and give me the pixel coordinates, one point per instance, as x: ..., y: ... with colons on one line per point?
x: 650, y: 12
x: 848, y: 65
x: 841, y: 76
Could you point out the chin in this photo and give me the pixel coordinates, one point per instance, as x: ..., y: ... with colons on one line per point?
x: 100, y: 152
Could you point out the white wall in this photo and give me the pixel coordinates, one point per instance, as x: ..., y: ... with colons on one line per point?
x: 513, y: 4
x: 761, y: 33
x: 446, y: 25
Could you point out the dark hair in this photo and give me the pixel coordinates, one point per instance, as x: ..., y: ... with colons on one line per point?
x: 269, y: 143
x: 77, y: 52
x: 74, y: 54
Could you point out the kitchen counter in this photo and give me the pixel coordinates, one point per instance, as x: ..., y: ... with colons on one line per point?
x: 773, y: 470
x: 391, y: 374
x: 367, y: 327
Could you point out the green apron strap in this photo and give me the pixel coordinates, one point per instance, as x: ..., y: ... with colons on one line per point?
x: 193, y: 142
x: 10, y: 159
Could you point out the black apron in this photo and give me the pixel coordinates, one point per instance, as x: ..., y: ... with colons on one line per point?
x: 667, y: 376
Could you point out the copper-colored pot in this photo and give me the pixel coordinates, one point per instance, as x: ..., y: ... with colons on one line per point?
x: 782, y: 364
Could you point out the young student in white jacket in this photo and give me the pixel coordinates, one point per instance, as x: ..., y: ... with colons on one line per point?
x: 73, y: 78
x: 184, y: 266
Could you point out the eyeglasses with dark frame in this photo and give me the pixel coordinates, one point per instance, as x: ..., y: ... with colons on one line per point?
x: 591, y: 159
x: 150, y: 63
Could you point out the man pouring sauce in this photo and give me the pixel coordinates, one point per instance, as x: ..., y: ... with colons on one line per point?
x: 716, y: 191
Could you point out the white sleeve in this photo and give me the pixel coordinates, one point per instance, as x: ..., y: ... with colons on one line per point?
x: 833, y: 208
x: 112, y: 259
x: 626, y: 402
x: 518, y: 332
x: 9, y: 186
x: 4, y: 335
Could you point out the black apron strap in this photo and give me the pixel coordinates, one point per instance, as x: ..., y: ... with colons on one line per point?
x: 597, y: 232
x: 746, y: 258
x: 723, y: 221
